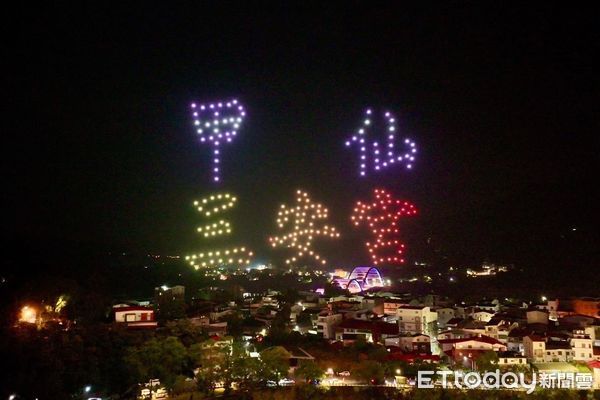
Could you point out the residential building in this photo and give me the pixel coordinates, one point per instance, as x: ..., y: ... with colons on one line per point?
x: 534, y: 348
x: 135, y: 316
x: 511, y: 358
x: 327, y: 323
x: 417, y: 319
x: 444, y: 314
x: 350, y: 330
x: 466, y: 351
x: 537, y: 317
x: 582, y: 346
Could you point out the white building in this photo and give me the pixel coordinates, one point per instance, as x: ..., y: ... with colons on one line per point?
x: 538, y: 349
x: 417, y: 343
x: 390, y: 306
x: 509, y: 358
x: 534, y: 348
x: 417, y: 319
x: 326, y: 325
x: 445, y: 314
x: 482, y: 315
x: 135, y: 316
x: 499, y: 329
x: 582, y: 346
x: 537, y: 317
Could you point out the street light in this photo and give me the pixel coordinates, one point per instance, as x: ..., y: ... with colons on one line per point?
x: 472, y: 362
x: 398, y: 371
x: 87, y: 389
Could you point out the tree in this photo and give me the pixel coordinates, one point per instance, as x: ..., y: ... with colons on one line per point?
x: 377, y: 353
x: 488, y: 361
x: 274, y: 363
x: 310, y: 371
x: 370, y: 371
x: 183, y: 384
x: 187, y: 332
x: 171, y: 309
x: 244, y: 369
x: 157, y: 358
x: 235, y: 324
x: 208, y: 359
x: 360, y: 344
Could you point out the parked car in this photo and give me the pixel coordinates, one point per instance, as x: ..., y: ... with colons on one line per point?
x: 286, y: 382
x: 344, y: 373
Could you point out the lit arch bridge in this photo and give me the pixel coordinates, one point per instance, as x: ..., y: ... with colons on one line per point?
x: 360, y: 279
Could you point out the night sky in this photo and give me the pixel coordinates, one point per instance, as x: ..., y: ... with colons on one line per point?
x: 99, y: 150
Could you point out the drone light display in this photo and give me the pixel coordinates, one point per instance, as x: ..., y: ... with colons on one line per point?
x: 210, y: 207
x: 378, y: 155
x: 217, y: 123
x: 382, y: 217
x: 304, y: 222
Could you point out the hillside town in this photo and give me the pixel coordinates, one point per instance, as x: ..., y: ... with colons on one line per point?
x: 550, y: 335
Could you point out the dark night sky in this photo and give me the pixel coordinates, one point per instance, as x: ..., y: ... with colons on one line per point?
x: 503, y: 101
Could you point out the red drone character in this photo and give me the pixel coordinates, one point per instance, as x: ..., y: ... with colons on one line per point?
x: 382, y: 217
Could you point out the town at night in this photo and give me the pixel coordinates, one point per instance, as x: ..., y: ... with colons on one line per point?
x: 328, y: 201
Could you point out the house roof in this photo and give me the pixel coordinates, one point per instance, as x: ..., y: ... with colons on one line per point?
x: 132, y: 308
x: 394, y: 301
x: 536, y: 338
x: 494, y: 321
x: 518, y: 333
x: 474, y: 354
x: 411, y: 307
x: 373, y: 326
x: 510, y: 354
x: 481, y: 338
x: 298, y: 352
x: 472, y: 324
x: 410, y: 357
x: 555, y: 345
x: 393, y: 349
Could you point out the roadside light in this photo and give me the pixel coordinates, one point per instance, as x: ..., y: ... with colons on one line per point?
x: 544, y: 298
x: 87, y: 389
x: 398, y: 371
x: 330, y: 371
x: 28, y: 314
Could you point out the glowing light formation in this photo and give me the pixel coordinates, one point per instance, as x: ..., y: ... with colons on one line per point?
x: 217, y: 123
x: 304, y: 222
x: 382, y: 217
x: 210, y: 207
x: 376, y: 155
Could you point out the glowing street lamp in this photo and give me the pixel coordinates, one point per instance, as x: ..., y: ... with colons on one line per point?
x: 28, y: 314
